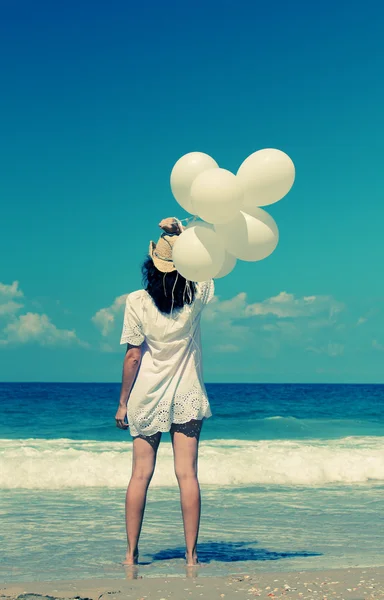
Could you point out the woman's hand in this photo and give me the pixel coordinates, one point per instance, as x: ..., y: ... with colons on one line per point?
x: 171, y: 225
x: 120, y: 417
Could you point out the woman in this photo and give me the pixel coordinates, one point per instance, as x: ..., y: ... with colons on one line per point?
x: 162, y: 385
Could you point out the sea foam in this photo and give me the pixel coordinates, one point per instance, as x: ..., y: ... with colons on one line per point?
x: 65, y: 463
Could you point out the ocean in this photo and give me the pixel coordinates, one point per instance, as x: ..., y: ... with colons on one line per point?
x: 291, y: 476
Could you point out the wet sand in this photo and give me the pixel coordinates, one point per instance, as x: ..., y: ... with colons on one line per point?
x: 362, y: 583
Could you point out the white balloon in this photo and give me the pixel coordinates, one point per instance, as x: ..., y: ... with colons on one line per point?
x: 250, y: 237
x: 228, y: 266
x: 198, y: 253
x: 216, y: 195
x: 266, y: 176
x: 185, y: 170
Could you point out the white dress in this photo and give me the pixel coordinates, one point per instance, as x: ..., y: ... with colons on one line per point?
x: 169, y: 386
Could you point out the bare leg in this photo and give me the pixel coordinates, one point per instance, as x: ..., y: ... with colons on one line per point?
x: 143, y: 466
x: 185, y: 441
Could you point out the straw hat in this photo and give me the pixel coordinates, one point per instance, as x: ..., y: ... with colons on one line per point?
x: 161, y: 252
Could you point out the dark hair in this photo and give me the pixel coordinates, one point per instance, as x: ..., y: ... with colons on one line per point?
x: 169, y: 291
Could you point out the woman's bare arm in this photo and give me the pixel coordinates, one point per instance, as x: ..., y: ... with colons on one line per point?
x: 131, y: 365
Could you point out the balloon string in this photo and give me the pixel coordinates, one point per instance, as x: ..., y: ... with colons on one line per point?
x: 188, y: 219
x: 173, y: 290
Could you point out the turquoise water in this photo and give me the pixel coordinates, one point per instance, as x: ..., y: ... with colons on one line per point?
x: 292, y: 477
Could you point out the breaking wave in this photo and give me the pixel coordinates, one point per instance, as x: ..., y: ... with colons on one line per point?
x: 65, y: 463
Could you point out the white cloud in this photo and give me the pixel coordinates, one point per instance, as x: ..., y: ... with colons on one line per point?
x: 104, y: 319
x: 226, y: 348
x: 28, y: 327
x: 332, y: 349
x: 9, y: 308
x: 105, y: 347
x: 286, y: 305
x: 34, y: 327
x: 10, y: 291
x: 282, y: 306
x: 284, y: 320
x: 377, y: 346
x: 235, y: 305
x: 335, y: 349
x: 361, y: 320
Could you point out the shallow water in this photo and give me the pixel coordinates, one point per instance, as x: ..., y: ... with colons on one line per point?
x: 79, y: 533
x: 292, y: 477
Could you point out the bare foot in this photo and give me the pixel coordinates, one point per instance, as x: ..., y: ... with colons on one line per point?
x: 192, y: 560
x: 131, y: 559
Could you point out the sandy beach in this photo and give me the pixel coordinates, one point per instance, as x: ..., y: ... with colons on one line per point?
x: 363, y: 583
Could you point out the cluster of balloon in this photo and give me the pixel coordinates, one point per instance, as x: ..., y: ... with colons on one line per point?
x: 232, y: 225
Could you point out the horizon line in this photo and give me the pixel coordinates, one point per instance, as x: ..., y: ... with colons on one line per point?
x: 206, y: 382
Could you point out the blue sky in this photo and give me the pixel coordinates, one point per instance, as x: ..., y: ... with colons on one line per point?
x: 99, y: 101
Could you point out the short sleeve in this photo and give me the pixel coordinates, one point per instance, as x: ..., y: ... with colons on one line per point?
x: 206, y: 290
x: 132, y: 327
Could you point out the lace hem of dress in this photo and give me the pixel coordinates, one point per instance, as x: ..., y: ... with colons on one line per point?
x: 192, y: 405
